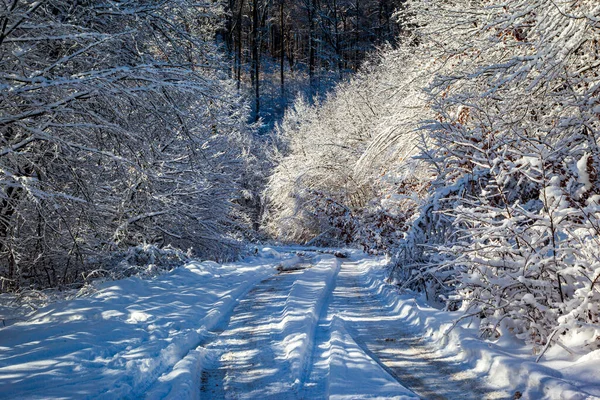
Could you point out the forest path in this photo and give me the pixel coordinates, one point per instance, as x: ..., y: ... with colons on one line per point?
x: 285, y: 323
x: 264, y: 349
x: 371, y: 324
x: 328, y: 331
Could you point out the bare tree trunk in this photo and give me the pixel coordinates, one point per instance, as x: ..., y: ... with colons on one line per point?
x: 311, y: 45
x: 357, y: 36
x: 336, y: 40
x: 282, y: 49
x: 255, y: 67
x: 238, y: 60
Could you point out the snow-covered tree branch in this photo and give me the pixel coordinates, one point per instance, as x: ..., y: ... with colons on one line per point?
x: 117, y: 129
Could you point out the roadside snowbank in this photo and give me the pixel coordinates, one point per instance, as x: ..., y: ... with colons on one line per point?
x: 354, y: 375
x: 118, y: 342
x: 506, y: 363
x: 306, y: 302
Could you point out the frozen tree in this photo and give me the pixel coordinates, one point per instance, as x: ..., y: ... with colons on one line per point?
x: 515, y: 139
x: 118, y: 128
x: 337, y: 181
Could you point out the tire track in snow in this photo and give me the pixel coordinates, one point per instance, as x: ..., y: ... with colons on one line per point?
x: 263, y: 350
x: 326, y: 332
x: 376, y: 327
x: 341, y: 369
x: 314, y: 342
x: 181, y: 380
x: 235, y: 344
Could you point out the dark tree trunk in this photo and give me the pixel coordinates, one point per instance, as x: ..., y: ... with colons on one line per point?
x: 311, y: 45
x: 255, y: 67
x: 238, y: 58
x: 282, y: 49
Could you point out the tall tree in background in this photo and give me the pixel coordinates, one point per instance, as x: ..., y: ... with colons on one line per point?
x: 321, y: 41
x: 282, y: 47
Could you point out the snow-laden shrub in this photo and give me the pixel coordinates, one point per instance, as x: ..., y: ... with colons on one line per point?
x: 118, y: 128
x: 513, y: 211
x: 142, y: 260
x: 337, y: 181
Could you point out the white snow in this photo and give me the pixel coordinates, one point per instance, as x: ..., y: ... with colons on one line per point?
x: 583, y: 175
x: 331, y: 328
x: 506, y: 364
x: 353, y: 374
x: 119, y: 341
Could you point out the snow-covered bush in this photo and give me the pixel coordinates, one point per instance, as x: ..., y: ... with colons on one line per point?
x: 337, y: 180
x: 118, y: 128
x: 515, y: 143
x: 141, y: 261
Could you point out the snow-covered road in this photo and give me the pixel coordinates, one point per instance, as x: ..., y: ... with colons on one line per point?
x: 327, y: 331
x: 286, y: 324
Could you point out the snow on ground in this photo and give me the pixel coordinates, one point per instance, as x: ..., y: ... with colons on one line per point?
x: 507, y: 364
x: 119, y: 341
x: 353, y: 373
x: 284, y: 324
x: 265, y: 349
x: 383, y: 354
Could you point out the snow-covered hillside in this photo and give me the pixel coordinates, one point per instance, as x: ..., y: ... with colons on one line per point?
x: 288, y: 323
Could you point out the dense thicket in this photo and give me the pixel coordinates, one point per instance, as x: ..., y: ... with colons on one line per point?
x: 118, y: 128
x: 335, y: 181
x: 471, y: 155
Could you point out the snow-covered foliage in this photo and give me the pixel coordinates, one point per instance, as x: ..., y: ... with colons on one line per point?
x: 515, y: 136
x: 118, y: 129
x: 337, y: 174
x: 499, y: 210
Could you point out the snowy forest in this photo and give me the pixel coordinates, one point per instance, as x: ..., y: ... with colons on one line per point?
x: 129, y: 123
x: 457, y: 138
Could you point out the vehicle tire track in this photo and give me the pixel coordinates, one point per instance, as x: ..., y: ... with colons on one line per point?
x: 263, y: 348
x: 404, y: 354
x: 317, y: 337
